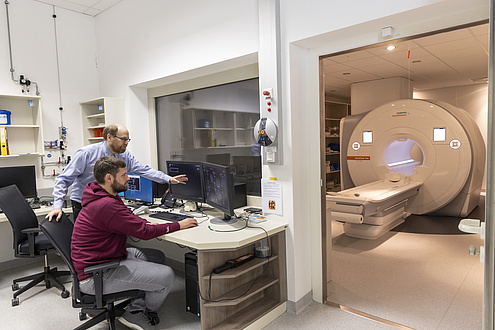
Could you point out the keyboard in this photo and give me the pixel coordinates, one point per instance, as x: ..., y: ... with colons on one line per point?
x: 35, y: 205
x: 169, y: 216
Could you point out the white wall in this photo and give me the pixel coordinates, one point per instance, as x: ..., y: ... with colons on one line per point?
x: 34, y: 55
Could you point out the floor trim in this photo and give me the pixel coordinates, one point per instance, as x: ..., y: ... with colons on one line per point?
x: 368, y: 316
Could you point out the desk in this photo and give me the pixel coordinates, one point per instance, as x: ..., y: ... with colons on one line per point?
x: 265, y: 300
x: 43, y: 210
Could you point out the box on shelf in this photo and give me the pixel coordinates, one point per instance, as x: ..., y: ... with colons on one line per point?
x: 99, y: 132
x: 5, y: 117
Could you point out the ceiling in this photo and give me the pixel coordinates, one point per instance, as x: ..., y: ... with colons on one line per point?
x: 454, y: 58
x: 87, y: 7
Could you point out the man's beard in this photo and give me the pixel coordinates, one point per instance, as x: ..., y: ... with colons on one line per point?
x: 117, y: 187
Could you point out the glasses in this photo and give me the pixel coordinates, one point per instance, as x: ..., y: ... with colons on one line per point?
x: 122, y: 138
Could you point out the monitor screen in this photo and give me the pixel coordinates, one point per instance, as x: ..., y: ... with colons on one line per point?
x: 218, y: 184
x: 24, y: 177
x: 139, y: 189
x: 193, y: 189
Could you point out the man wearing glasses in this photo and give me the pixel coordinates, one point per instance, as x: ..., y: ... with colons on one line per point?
x: 79, y: 172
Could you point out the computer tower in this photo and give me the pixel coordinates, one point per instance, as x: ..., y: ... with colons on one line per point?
x: 192, y: 284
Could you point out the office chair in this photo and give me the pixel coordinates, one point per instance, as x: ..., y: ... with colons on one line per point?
x: 28, y: 241
x: 102, y: 306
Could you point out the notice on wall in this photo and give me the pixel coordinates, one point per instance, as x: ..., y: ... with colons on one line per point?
x: 271, y: 192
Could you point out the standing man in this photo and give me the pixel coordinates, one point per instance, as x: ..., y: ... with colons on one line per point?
x: 100, y: 235
x: 79, y: 172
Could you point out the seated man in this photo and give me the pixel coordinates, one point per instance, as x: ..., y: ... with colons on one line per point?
x: 100, y: 235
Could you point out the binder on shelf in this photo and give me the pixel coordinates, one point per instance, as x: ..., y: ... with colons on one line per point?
x: 4, y: 145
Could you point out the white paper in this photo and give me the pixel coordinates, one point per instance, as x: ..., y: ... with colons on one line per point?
x: 271, y: 196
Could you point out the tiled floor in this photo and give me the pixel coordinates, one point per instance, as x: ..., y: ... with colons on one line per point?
x: 422, y: 281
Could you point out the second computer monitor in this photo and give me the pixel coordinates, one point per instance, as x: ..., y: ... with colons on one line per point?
x: 219, y: 190
x: 192, y: 190
x: 139, y: 189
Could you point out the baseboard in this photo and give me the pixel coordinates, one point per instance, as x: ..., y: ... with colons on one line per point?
x: 297, y: 307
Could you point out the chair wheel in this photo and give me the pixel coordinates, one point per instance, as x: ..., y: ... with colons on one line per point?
x: 82, y: 316
x: 65, y: 294
x: 15, y: 287
x: 15, y: 302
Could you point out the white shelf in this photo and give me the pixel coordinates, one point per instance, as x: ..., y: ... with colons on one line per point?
x: 25, y: 134
x: 21, y: 126
x: 227, y: 129
x: 97, y: 116
x: 99, y: 112
x: 95, y: 127
x: 334, y: 112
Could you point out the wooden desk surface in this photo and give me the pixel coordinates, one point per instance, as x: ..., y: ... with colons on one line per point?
x: 208, y: 236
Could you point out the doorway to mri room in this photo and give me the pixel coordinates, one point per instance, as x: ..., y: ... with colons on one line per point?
x: 420, y: 274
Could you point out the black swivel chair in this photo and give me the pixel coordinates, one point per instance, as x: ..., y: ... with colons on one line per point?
x: 101, y: 305
x: 29, y: 242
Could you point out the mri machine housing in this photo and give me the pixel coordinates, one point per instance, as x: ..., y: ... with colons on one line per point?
x: 407, y: 157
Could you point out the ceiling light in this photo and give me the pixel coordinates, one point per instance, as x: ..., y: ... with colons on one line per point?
x: 391, y: 47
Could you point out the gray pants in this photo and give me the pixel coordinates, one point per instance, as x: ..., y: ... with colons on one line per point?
x: 144, y: 270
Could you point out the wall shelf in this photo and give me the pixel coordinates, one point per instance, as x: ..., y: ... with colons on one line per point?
x: 25, y: 134
x: 99, y: 112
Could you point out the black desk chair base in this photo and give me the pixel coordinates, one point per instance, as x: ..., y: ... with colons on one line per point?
x: 110, y: 313
x: 49, y: 275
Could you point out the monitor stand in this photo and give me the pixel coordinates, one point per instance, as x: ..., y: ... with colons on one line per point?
x: 226, y: 220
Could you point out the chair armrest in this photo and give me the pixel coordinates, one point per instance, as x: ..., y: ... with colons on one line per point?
x: 31, y: 232
x: 97, y: 271
x: 103, y: 266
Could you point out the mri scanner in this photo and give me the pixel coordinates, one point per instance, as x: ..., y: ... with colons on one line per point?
x: 407, y: 157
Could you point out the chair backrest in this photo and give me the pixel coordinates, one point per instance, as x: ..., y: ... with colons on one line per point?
x: 60, y: 235
x: 18, y: 212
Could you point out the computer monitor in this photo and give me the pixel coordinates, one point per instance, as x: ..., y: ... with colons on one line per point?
x: 218, y: 185
x: 192, y: 190
x: 24, y: 177
x: 139, y: 189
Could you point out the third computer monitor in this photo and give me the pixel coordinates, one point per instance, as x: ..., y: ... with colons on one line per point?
x: 192, y: 190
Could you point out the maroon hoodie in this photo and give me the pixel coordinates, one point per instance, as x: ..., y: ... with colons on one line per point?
x: 100, y: 232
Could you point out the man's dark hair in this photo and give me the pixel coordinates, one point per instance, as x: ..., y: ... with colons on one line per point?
x: 111, y: 129
x: 107, y: 164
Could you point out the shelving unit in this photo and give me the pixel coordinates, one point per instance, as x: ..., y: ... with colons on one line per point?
x: 99, y: 112
x: 218, y: 129
x: 25, y: 134
x: 241, y: 295
x: 334, y: 112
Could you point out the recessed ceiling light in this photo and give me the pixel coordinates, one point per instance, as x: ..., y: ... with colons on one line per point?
x: 391, y: 47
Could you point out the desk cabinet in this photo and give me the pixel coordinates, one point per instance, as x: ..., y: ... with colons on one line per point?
x: 242, y: 295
